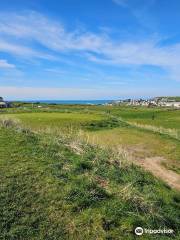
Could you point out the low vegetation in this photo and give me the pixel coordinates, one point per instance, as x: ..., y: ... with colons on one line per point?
x: 130, y: 128
x: 159, y: 117
x: 66, y: 174
x: 58, y: 187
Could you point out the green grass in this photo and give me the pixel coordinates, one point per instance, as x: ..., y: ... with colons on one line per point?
x: 43, y: 120
x: 140, y: 143
x: 50, y: 192
x: 108, y: 131
x: 167, y: 118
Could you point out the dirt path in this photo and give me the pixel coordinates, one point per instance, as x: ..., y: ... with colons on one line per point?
x: 153, y: 164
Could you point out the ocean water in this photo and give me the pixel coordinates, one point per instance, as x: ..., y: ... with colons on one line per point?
x: 72, y: 102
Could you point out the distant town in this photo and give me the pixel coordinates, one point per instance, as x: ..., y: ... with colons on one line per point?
x: 172, y: 102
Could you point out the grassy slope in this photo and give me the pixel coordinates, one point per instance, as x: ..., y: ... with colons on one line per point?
x: 139, y: 142
x: 49, y: 192
x: 154, y: 144
x: 167, y: 118
x: 145, y: 143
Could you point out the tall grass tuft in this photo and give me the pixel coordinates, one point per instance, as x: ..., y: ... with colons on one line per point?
x: 14, y: 123
x: 174, y: 133
x: 9, y: 122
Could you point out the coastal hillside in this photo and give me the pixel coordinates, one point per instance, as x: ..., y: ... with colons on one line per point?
x: 56, y: 187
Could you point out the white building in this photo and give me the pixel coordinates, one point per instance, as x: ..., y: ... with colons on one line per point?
x: 170, y: 104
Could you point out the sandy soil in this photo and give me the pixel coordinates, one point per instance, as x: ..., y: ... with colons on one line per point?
x: 154, y: 165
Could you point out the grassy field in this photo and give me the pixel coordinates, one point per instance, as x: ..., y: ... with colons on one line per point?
x: 145, y: 144
x: 63, y: 177
x: 160, y: 117
x: 57, y: 120
x: 55, y: 188
x: 107, y: 131
x: 167, y: 118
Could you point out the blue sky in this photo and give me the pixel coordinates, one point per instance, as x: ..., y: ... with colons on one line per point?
x: 98, y: 49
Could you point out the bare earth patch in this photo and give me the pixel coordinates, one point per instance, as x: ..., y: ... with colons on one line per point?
x: 154, y: 165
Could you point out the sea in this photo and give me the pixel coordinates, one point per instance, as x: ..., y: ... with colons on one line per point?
x: 71, y: 102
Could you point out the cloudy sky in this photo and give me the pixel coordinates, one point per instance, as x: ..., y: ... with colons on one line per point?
x: 82, y: 49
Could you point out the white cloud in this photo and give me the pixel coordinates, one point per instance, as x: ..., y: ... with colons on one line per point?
x: 4, y: 64
x: 22, y: 51
x: 51, y: 34
x: 14, y: 48
x: 31, y: 28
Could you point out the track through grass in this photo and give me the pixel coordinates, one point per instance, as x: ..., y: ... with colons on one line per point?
x: 50, y: 192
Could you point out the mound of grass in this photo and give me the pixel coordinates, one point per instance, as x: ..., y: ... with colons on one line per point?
x: 105, y: 124
x: 48, y: 191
